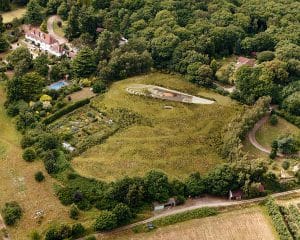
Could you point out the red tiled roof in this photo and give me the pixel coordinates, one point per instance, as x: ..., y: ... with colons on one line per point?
x: 246, y: 61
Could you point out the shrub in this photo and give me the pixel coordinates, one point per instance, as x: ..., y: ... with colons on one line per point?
x: 59, y: 232
x: 90, y: 238
x: 105, y: 221
x: 273, y: 154
x: 273, y: 120
x: 35, y: 236
x: 77, y: 230
x: 27, y: 141
x: 11, y: 213
x: 99, y: 87
x: 74, y: 212
x: 29, y: 154
x: 285, y: 165
x: 123, y: 213
x: 265, y: 56
x: 39, y: 176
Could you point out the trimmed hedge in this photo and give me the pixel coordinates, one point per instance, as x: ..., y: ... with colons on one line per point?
x: 278, y: 220
x: 65, y: 110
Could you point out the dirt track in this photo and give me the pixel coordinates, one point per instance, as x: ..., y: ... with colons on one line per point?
x: 50, y: 29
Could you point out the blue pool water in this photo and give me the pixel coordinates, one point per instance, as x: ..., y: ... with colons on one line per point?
x: 58, y: 85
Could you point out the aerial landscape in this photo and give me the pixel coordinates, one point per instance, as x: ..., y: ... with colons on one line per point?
x: 149, y: 119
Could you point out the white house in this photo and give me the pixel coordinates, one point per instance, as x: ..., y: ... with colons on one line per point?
x: 45, y: 41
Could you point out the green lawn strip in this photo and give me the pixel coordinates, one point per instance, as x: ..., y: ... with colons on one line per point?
x: 278, y: 220
x: 179, y: 217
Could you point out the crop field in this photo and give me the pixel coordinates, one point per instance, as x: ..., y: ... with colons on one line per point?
x: 9, y: 16
x: 267, y: 133
x: 18, y: 184
x: 247, y: 224
x: 179, y: 141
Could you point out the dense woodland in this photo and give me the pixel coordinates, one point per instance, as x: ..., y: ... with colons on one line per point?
x: 188, y: 37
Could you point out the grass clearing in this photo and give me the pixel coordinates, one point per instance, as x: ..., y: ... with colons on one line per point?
x: 9, y: 16
x: 18, y: 184
x: 59, y: 30
x: 268, y: 133
x: 163, y: 143
x: 247, y: 224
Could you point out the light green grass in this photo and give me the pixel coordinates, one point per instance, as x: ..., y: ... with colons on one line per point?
x: 9, y: 16
x: 268, y: 133
x: 58, y: 30
x: 179, y: 141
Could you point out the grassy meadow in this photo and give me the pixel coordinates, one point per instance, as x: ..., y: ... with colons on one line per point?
x: 18, y: 183
x: 178, y: 141
x: 15, y: 13
x: 268, y: 133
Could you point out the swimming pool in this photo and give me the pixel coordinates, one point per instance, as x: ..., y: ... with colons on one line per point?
x: 58, y: 85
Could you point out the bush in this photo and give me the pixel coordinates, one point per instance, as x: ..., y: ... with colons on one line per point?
x: 78, y: 230
x: 59, y: 232
x: 11, y: 213
x: 273, y: 154
x: 273, y: 120
x: 285, y: 165
x: 265, y: 56
x: 35, y: 236
x: 105, y: 221
x: 90, y: 238
x: 39, y: 176
x: 74, y: 212
x: 123, y: 213
x: 99, y: 87
x: 65, y: 110
x: 29, y: 154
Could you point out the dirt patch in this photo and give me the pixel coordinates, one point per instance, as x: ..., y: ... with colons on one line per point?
x: 82, y: 94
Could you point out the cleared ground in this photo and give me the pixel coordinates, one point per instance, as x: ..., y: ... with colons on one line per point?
x: 246, y: 224
x: 18, y: 184
x: 9, y: 16
x: 178, y: 141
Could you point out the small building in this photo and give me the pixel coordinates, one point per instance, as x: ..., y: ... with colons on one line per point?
x: 235, y: 195
x: 68, y: 147
x: 160, y: 206
x: 242, y: 61
x: 44, y: 41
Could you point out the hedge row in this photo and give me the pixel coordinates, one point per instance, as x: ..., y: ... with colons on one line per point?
x: 185, y: 216
x: 278, y: 221
x: 65, y: 110
x: 289, y: 117
x: 292, y: 218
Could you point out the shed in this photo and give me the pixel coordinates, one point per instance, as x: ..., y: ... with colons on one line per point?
x: 235, y: 195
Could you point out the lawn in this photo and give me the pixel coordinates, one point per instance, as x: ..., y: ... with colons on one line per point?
x: 268, y: 133
x: 178, y: 141
x: 247, y: 224
x: 18, y: 184
x: 58, y: 30
x: 17, y: 13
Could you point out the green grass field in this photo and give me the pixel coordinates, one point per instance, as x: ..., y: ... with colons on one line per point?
x: 178, y: 141
x: 59, y: 30
x: 16, y: 13
x: 268, y: 133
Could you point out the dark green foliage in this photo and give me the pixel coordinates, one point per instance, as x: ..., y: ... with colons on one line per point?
x: 278, y: 220
x: 285, y: 165
x: 11, y: 212
x: 273, y: 119
x: 105, y: 221
x: 39, y: 176
x: 292, y: 103
x: 292, y: 218
x: 195, y: 185
x: 34, y: 14
x: 4, y: 5
x: 40, y: 65
x: 77, y: 230
x: 123, y: 213
x: 72, y: 30
x: 58, y: 232
x: 4, y: 45
x: 84, y: 64
x: 157, y: 186
x: 99, y: 86
x: 265, y: 56
x: 65, y: 110
x: 26, y: 87
x: 29, y: 154
x: 287, y: 145
x: 62, y: 10
x: 200, y: 74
